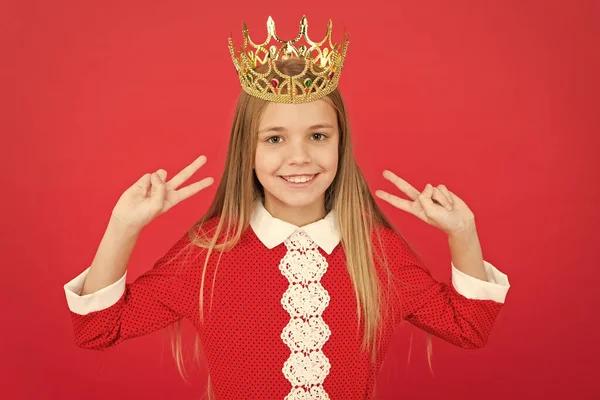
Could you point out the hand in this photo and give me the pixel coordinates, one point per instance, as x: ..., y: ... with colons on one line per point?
x: 151, y: 196
x: 435, y: 205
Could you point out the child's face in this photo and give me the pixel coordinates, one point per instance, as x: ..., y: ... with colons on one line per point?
x: 297, y: 142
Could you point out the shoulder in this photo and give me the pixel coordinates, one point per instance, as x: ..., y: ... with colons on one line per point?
x: 205, y: 225
x: 186, y: 252
x: 203, y: 232
x: 389, y: 243
x: 387, y: 239
x: 190, y: 239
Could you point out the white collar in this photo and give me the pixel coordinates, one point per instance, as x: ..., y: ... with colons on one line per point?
x: 273, y: 231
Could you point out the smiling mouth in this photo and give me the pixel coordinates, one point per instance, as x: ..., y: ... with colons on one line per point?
x: 298, y: 178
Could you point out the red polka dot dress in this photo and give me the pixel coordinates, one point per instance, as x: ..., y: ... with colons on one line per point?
x: 280, y: 320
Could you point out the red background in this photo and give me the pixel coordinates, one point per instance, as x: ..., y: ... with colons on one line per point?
x: 498, y: 100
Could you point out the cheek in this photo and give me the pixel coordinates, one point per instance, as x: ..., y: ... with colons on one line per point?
x: 265, y: 162
x: 328, y: 158
x: 334, y: 160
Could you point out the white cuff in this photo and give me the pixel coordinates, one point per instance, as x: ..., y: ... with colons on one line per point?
x: 91, y: 302
x: 472, y: 288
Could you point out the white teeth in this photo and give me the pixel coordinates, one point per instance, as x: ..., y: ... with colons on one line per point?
x: 299, y: 179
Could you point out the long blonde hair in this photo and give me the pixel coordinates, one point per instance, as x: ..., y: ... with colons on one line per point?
x: 357, y: 213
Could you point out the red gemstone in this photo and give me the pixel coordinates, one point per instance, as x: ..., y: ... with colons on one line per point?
x: 274, y: 83
x: 331, y: 74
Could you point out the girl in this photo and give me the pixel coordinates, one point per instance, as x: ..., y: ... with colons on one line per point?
x: 308, y: 279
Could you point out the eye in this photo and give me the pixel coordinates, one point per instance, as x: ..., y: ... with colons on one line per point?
x: 270, y: 140
x: 318, y: 136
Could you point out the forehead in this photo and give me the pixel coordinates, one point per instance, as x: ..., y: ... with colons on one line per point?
x: 298, y: 115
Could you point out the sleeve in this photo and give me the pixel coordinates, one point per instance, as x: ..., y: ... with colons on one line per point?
x: 157, y: 298
x: 495, y: 288
x: 462, y: 313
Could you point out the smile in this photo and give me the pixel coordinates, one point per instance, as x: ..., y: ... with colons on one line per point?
x: 298, y: 181
x: 299, y: 178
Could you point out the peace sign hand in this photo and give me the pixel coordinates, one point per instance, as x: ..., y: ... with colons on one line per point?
x: 435, y: 205
x: 151, y: 196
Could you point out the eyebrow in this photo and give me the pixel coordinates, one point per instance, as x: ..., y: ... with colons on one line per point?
x: 281, y: 128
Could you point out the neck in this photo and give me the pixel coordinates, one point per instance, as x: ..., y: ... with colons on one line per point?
x: 298, y: 216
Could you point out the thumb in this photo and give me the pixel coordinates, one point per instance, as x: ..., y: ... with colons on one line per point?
x: 158, y: 191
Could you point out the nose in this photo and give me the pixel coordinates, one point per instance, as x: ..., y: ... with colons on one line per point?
x: 298, y: 154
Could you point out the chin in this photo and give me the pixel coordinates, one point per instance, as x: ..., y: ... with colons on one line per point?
x: 297, y: 197
x: 296, y: 202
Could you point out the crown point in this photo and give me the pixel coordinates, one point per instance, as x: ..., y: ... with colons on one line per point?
x: 303, y: 24
x: 271, y: 27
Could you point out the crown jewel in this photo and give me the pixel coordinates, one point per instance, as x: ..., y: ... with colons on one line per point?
x: 323, y: 59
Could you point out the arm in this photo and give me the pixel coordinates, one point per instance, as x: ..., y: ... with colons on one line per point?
x: 473, y: 277
x: 105, y: 309
x: 462, y: 313
x: 114, y: 310
x: 466, y: 253
x: 112, y: 257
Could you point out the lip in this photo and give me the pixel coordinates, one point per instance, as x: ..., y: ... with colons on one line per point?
x: 299, y: 185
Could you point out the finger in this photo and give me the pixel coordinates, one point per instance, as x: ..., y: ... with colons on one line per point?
x: 441, y: 199
x: 194, y: 188
x: 446, y: 193
x: 143, y: 184
x: 187, y: 172
x: 395, y: 201
x: 401, y: 184
x: 158, y: 191
x: 162, y: 174
x: 425, y: 199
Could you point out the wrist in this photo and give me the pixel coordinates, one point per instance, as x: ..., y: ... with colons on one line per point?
x: 121, y: 228
x: 466, y: 232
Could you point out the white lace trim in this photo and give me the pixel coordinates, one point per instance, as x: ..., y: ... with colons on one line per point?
x: 306, y: 333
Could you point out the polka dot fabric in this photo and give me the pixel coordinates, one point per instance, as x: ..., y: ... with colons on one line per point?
x: 433, y: 306
x: 241, y: 334
x: 161, y: 296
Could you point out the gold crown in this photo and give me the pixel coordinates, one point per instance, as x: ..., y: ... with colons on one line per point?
x: 323, y: 59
